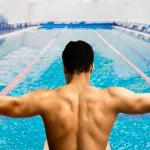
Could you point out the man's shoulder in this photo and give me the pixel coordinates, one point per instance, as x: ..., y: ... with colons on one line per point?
x: 112, y: 92
x: 52, y: 92
x: 43, y: 93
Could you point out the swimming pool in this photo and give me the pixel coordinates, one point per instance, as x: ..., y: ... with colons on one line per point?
x: 32, y: 60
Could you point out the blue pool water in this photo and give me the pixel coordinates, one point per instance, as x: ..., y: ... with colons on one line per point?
x: 128, y: 133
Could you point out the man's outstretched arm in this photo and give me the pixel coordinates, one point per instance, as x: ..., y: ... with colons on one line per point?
x: 126, y: 101
x: 21, y: 106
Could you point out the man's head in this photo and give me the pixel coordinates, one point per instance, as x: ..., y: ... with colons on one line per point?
x: 78, y: 57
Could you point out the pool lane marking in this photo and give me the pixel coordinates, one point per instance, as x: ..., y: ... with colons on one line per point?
x: 26, y: 70
x: 125, y: 59
x: 17, y: 32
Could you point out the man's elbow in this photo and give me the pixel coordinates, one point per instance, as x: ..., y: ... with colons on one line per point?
x: 16, y: 109
x: 142, y: 106
x: 12, y: 110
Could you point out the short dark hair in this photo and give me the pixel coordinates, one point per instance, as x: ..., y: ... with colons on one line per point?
x: 77, y: 57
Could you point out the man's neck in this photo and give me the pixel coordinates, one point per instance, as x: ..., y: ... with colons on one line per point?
x: 79, y: 79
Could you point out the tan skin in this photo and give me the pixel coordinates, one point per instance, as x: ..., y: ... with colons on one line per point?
x: 76, y: 116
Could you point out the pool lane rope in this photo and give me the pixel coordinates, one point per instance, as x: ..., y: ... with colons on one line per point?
x: 125, y: 59
x: 20, y: 77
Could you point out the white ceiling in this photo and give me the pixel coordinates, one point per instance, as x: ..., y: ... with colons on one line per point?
x: 76, y: 10
x: 75, y: 1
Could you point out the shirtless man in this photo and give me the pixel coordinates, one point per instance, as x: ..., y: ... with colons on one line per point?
x: 76, y: 116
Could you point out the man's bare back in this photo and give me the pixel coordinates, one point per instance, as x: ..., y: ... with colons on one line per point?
x: 77, y: 119
x: 81, y: 118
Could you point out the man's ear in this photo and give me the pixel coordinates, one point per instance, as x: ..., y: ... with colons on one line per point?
x: 92, y: 68
x: 65, y: 71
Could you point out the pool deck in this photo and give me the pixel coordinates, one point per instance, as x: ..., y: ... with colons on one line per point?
x: 133, y: 31
x: 16, y: 32
x: 2, y: 32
